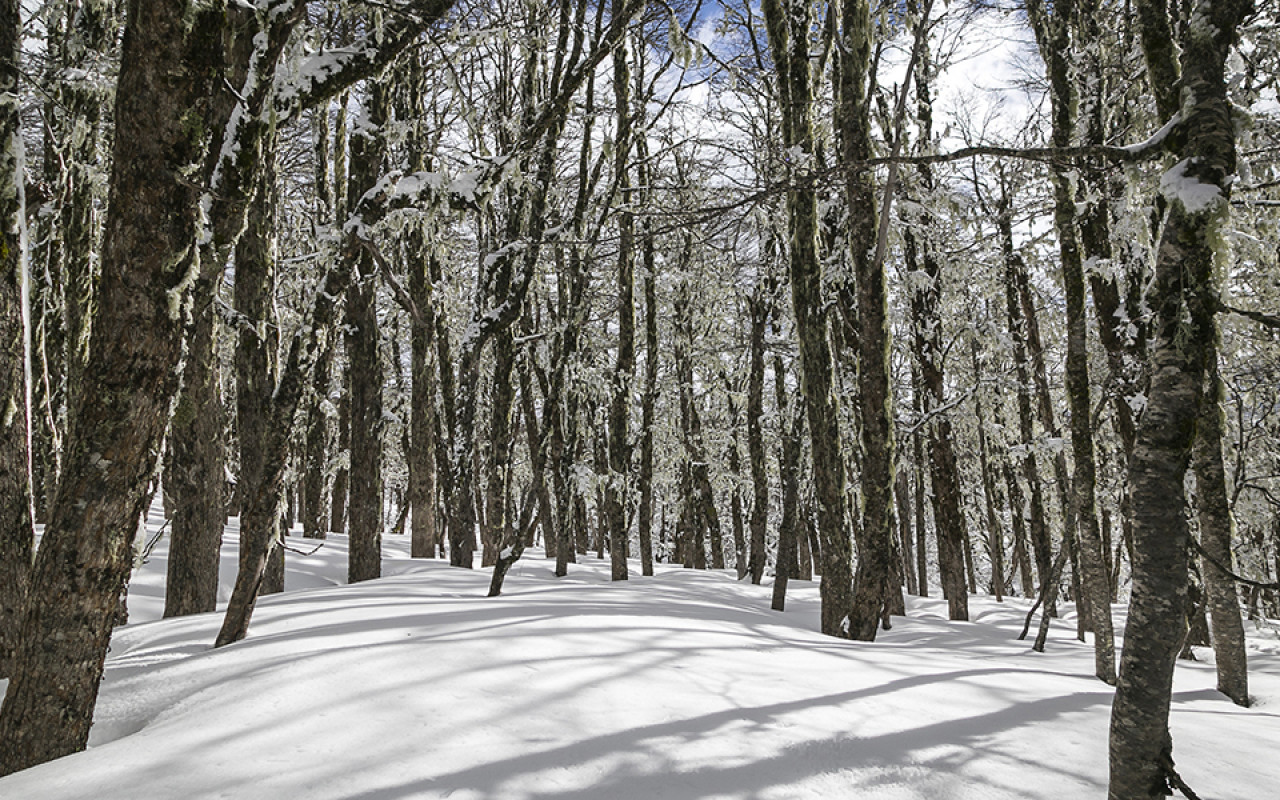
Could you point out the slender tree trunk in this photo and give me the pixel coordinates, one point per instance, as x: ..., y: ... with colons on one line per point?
x: 649, y: 399
x: 759, y: 308
x: 1015, y: 276
x: 368, y: 150
x: 902, y: 497
x: 314, y: 519
x: 1216, y: 529
x: 624, y: 368
x: 1053, y: 34
x: 790, y: 531
x: 195, y: 474
x: 995, y: 533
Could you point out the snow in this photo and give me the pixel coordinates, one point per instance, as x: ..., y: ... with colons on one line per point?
x: 1195, y: 197
x: 683, y: 685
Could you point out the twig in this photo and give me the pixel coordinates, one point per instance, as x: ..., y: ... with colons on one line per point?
x: 302, y: 552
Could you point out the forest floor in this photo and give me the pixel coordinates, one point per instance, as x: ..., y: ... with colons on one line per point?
x: 682, y: 685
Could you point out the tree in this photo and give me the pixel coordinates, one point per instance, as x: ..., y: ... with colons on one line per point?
x: 788, y: 23
x: 1190, y: 88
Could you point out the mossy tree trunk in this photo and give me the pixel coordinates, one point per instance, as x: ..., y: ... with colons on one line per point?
x: 788, y: 23
x: 122, y: 406
x: 1183, y: 332
x: 17, y: 537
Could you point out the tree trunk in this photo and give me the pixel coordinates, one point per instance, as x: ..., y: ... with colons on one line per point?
x: 1183, y: 332
x: 195, y: 474
x: 790, y: 529
x: 758, y: 523
x: 17, y: 537
x: 995, y: 533
x: 649, y: 399
x: 788, y: 23
x: 1053, y: 34
x: 120, y: 412
x: 314, y: 519
x: 1216, y: 529
x: 624, y: 368
x: 873, y: 584
x: 364, y: 510
x: 261, y: 513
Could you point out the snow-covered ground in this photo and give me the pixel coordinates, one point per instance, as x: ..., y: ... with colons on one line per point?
x: 683, y: 685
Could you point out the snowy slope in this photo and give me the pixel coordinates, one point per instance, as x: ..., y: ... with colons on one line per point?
x: 684, y: 685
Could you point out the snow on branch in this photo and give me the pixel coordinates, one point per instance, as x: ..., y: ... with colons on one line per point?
x: 324, y: 75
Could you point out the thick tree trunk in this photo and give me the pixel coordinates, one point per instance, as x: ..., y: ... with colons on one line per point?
x: 17, y: 537
x: 1183, y: 332
x: 1216, y: 529
x: 364, y: 510
x: 120, y: 412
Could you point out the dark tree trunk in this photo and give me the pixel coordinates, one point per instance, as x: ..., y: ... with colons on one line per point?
x: 1053, y: 34
x: 342, y: 475
x: 991, y: 499
x: 1015, y: 277
x: 874, y: 586
x: 948, y: 516
x: 759, y: 306
x: 120, y: 412
x: 902, y: 498
x: 1216, y: 528
x: 314, y: 519
x: 364, y: 510
x: 624, y: 368
x: 17, y: 537
x: 261, y: 514
x: 649, y: 399
x: 788, y: 23
x: 194, y: 475
x: 790, y: 527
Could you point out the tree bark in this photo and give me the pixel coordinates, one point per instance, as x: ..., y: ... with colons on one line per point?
x: 788, y: 23
x: 195, y: 475
x: 17, y: 537
x: 1183, y: 330
x: 119, y: 416
x: 1216, y: 529
x: 624, y: 367
x: 873, y: 583
x: 364, y: 510
x: 1053, y: 33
